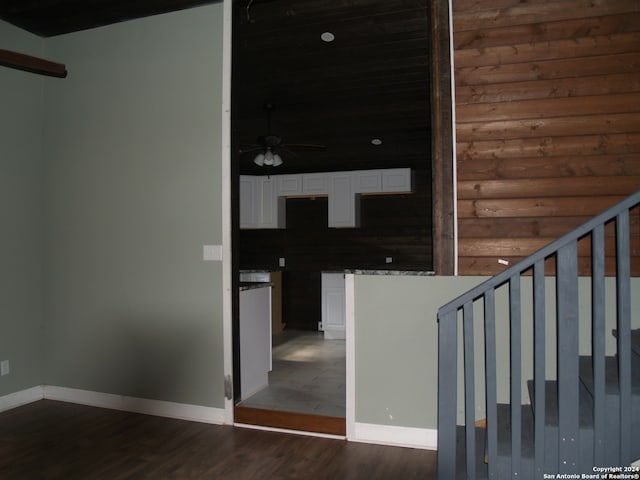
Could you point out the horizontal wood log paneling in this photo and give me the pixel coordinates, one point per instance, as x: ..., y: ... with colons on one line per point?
x: 547, y: 123
x: 559, y: 166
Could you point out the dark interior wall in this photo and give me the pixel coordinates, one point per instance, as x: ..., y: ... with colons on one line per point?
x: 371, y: 82
x: 395, y: 226
x: 302, y: 308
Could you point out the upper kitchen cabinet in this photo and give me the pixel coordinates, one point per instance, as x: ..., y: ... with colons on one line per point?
x: 262, y: 198
x: 259, y: 198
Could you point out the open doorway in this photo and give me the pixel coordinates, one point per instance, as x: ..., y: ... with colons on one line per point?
x: 305, y: 386
x: 353, y: 78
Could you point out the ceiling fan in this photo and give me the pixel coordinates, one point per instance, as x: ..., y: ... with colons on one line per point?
x: 271, y: 148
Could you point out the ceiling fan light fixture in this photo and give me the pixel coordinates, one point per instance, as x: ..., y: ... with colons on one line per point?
x: 259, y: 160
x: 268, y: 158
x: 277, y: 160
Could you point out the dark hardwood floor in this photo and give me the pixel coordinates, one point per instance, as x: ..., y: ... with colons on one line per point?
x: 53, y: 440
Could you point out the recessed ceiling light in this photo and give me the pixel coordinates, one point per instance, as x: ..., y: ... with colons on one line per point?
x: 328, y: 37
x: 376, y: 141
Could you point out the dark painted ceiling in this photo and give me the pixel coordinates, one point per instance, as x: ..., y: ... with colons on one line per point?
x: 48, y: 18
x: 371, y: 81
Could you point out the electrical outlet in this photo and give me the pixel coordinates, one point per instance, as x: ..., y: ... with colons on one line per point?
x: 388, y: 260
x: 4, y: 368
x: 281, y: 262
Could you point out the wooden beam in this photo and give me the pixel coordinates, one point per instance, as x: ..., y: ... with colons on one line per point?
x: 444, y: 259
x: 27, y: 63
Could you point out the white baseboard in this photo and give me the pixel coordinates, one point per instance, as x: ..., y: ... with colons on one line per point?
x: 423, y: 438
x: 17, y: 399
x: 195, y: 413
x: 411, y: 437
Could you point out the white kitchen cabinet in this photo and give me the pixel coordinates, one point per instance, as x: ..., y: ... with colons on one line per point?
x: 263, y: 198
x: 343, y: 211
x: 267, y: 207
x: 260, y: 206
x: 255, y: 340
x: 248, y: 202
x: 333, y: 305
x: 289, y: 184
x: 367, y: 181
x: 396, y: 180
x: 314, y: 184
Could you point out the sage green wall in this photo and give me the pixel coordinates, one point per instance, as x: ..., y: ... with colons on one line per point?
x: 396, y: 347
x: 132, y: 192
x: 396, y: 343
x: 21, y: 116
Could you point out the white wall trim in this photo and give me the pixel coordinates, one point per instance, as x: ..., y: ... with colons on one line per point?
x: 181, y: 411
x: 350, y: 352
x: 227, y: 329
x: 289, y: 431
x: 17, y: 399
x: 454, y: 152
x: 425, y: 438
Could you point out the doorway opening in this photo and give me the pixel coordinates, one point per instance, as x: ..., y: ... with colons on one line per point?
x: 341, y: 95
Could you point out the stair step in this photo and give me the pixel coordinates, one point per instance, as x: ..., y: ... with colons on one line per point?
x: 612, y: 404
x: 611, y: 374
x: 551, y: 432
x: 503, y: 467
x: 461, y: 459
x: 635, y: 339
x: 551, y: 403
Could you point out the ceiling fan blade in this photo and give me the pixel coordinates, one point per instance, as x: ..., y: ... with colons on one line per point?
x: 285, y: 152
x: 249, y: 149
x: 307, y: 146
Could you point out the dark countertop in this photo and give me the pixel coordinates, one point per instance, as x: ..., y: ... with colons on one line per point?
x: 251, y: 285
x: 359, y: 271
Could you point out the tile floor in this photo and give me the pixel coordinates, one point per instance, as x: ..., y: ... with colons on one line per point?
x: 308, y: 376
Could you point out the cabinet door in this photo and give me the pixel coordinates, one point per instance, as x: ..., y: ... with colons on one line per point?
x: 367, y: 181
x: 314, y: 184
x: 342, y: 201
x: 333, y: 305
x: 267, y: 206
x: 289, y: 184
x: 396, y: 180
x: 248, y: 214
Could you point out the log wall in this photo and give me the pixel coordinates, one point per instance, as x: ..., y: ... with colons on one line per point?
x: 547, y: 105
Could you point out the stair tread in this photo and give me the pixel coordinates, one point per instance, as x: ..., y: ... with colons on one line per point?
x: 611, y: 374
x: 504, y: 431
x: 551, y: 403
x: 461, y: 460
x: 635, y: 339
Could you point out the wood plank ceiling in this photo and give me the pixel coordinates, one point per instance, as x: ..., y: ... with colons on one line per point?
x: 372, y: 81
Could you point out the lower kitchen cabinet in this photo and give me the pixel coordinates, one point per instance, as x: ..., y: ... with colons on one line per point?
x: 333, y: 305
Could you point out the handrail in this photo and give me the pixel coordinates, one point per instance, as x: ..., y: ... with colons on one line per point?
x: 569, y: 369
x: 526, y: 263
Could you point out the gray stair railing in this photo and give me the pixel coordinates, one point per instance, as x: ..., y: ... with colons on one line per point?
x: 565, y: 252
